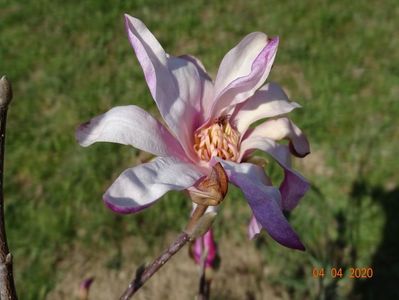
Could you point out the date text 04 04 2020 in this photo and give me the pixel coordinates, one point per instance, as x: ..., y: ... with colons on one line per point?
x: 354, y: 273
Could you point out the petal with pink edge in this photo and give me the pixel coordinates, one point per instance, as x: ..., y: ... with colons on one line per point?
x: 269, y: 101
x: 139, y: 187
x: 243, y: 70
x: 283, y: 128
x: 174, y: 83
x: 207, y: 87
x: 264, y: 201
x: 130, y: 125
x: 294, y: 186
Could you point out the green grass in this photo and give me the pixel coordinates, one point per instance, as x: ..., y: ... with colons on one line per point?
x: 70, y: 60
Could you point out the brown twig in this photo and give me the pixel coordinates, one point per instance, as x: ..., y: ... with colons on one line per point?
x: 192, y: 232
x: 138, y: 282
x: 7, y: 286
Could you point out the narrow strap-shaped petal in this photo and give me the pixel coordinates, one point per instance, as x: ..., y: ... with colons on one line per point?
x: 294, y: 186
x: 269, y: 101
x: 243, y: 70
x: 207, y: 88
x: 130, y: 125
x: 283, y: 128
x: 139, y: 187
x: 264, y: 201
x: 174, y: 83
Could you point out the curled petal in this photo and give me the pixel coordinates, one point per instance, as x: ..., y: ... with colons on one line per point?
x: 254, y: 228
x: 283, y: 128
x: 129, y: 125
x: 175, y: 83
x: 294, y: 185
x: 269, y: 101
x: 264, y: 200
x: 243, y: 70
x: 139, y: 187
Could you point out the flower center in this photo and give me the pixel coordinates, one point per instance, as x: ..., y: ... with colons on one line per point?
x: 219, y: 139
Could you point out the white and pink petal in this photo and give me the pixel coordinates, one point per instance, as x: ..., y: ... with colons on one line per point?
x: 284, y: 129
x: 140, y: 187
x: 269, y: 101
x: 207, y: 88
x: 243, y: 70
x: 130, y: 125
x: 175, y: 83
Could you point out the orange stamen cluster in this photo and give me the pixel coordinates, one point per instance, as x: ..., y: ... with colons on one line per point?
x: 219, y: 139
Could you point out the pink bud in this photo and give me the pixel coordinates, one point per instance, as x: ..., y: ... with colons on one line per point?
x: 84, y: 288
x: 205, y: 242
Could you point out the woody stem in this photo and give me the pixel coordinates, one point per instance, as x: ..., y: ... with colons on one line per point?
x: 143, y: 274
x: 7, y: 286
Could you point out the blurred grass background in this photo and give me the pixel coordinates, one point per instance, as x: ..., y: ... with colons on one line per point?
x: 70, y: 60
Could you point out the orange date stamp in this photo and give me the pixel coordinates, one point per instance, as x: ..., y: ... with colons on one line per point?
x: 337, y: 272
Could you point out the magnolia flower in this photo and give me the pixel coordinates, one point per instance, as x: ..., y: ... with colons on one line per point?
x: 206, y: 122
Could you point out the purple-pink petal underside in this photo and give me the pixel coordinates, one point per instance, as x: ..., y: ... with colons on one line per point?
x: 264, y: 201
x: 243, y: 70
x: 269, y: 101
x: 139, y: 187
x: 175, y: 83
x: 294, y: 186
x: 130, y: 125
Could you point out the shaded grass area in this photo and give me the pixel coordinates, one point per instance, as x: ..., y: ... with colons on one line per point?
x: 71, y: 60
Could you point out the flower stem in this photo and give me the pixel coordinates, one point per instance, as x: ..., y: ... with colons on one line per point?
x: 197, y: 214
x: 7, y: 286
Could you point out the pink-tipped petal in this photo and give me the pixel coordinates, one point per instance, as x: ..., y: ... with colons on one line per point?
x: 294, y: 185
x: 283, y: 128
x: 130, y: 125
x: 269, y: 101
x: 264, y: 200
x: 174, y: 83
x: 139, y: 187
x: 254, y: 228
x: 243, y: 70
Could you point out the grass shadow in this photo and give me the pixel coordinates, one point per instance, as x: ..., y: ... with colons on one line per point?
x: 385, y: 261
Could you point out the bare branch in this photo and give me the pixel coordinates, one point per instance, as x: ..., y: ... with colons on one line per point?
x: 7, y: 286
x: 142, y: 277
